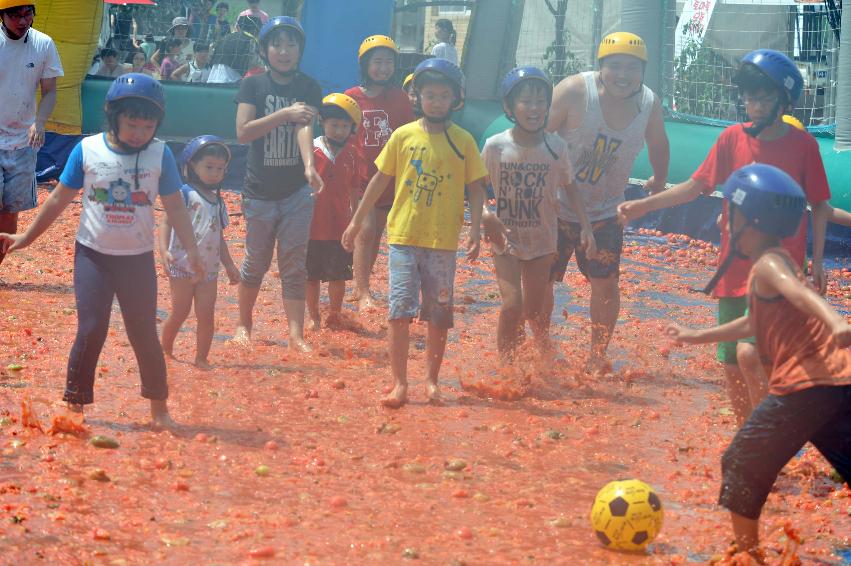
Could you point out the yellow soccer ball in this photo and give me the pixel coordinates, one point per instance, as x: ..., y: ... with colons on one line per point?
x: 627, y: 515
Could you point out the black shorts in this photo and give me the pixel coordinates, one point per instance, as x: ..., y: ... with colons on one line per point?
x: 608, y: 234
x: 776, y: 430
x: 328, y: 261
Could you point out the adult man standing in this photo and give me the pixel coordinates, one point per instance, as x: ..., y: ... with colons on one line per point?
x: 606, y: 116
x: 28, y: 59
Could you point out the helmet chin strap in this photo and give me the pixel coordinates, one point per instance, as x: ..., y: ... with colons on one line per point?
x: 732, y: 254
x: 757, y: 127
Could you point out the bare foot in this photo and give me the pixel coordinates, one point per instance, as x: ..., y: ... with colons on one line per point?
x: 299, y: 345
x: 396, y: 398
x: 160, y: 419
x: 315, y: 324
x: 241, y: 337
x: 597, y: 366
x: 77, y: 410
x: 433, y: 394
x: 335, y: 321
x: 203, y: 364
x: 366, y: 303
x: 354, y: 297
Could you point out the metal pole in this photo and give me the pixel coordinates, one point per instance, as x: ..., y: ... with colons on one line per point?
x: 843, y: 87
x: 646, y: 18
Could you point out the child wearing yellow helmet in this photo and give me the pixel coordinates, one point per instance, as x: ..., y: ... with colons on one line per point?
x: 385, y: 107
x: 338, y: 164
x: 606, y: 116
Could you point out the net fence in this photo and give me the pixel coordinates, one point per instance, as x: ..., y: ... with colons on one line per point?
x: 425, y: 29
x: 704, y: 42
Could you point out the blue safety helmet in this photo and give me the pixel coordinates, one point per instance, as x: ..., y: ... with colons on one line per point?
x: 770, y: 200
x: 520, y: 74
x: 281, y: 22
x: 199, y: 143
x: 446, y: 68
x: 137, y: 85
x: 780, y: 69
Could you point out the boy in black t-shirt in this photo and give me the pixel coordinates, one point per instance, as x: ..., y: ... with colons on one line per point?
x: 275, y: 115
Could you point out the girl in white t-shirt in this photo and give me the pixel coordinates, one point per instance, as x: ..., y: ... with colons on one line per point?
x: 445, y: 34
x: 205, y: 160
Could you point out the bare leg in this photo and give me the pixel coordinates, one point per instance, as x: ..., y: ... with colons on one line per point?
x: 205, y: 309
x: 399, y: 337
x: 247, y: 299
x: 313, y: 292
x: 605, y: 307
x: 756, y: 378
x: 294, y: 308
x: 510, y: 322
x: 362, y: 262
x: 737, y: 389
x: 8, y: 225
x: 747, y: 535
x: 537, y: 306
x: 182, y: 291
x: 435, y: 348
x: 336, y: 290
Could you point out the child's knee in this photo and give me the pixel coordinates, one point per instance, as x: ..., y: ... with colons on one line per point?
x: 747, y: 355
x: 512, y: 310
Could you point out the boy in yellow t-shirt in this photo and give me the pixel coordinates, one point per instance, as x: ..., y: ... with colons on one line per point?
x: 432, y: 160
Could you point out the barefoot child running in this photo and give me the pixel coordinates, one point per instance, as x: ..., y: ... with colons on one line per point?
x: 121, y: 173
x: 205, y: 160
x: 275, y: 115
x: 801, y: 340
x: 385, y: 107
x: 337, y: 164
x: 431, y: 159
x: 769, y: 83
x: 527, y: 167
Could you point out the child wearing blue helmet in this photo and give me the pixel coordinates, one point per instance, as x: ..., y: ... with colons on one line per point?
x: 432, y: 160
x: 801, y: 341
x: 769, y: 84
x: 204, y: 162
x: 528, y: 168
x: 275, y: 115
x: 121, y: 172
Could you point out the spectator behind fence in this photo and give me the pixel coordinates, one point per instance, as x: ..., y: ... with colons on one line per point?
x: 109, y: 65
x: 445, y: 34
x: 255, y: 11
x: 149, y: 46
x: 236, y: 53
x: 201, y: 20
x: 124, y: 27
x: 197, y: 70
x: 139, y: 63
x: 178, y: 30
x: 222, y: 27
x: 172, y: 59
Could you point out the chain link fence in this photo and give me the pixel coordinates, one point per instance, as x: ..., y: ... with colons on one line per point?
x: 701, y: 56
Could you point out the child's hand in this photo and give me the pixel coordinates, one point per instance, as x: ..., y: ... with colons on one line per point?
x: 12, y: 242
x: 819, y: 278
x: 299, y: 113
x: 630, y: 210
x: 234, y: 276
x: 842, y: 334
x: 167, y: 258
x: 588, y: 243
x: 197, y: 265
x: 348, y: 239
x: 653, y: 186
x: 496, y: 234
x: 681, y: 334
x: 473, y: 244
x: 314, y: 180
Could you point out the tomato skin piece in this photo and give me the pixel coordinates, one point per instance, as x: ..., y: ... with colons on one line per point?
x: 262, y: 552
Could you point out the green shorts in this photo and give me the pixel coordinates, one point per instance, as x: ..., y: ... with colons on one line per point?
x: 729, y: 309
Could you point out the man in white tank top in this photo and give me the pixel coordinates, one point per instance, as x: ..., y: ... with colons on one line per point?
x: 606, y: 116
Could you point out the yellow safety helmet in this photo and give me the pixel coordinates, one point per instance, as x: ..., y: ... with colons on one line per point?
x: 794, y: 122
x: 347, y: 103
x: 374, y: 41
x: 622, y: 43
x: 6, y: 4
x: 407, y: 81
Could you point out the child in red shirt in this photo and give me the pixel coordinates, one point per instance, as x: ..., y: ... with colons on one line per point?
x: 800, y: 339
x: 769, y: 83
x: 336, y: 161
x: 385, y: 107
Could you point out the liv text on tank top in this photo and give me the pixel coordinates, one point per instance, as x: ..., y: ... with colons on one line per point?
x: 603, y: 157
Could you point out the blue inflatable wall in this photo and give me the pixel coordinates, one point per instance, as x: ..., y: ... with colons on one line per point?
x: 334, y: 32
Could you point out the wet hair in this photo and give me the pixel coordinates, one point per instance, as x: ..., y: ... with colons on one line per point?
x: 108, y: 52
x: 200, y: 47
x: 133, y: 108
x: 332, y: 112
x: 532, y: 87
x: 751, y: 80
x: 427, y: 78
x: 446, y: 25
